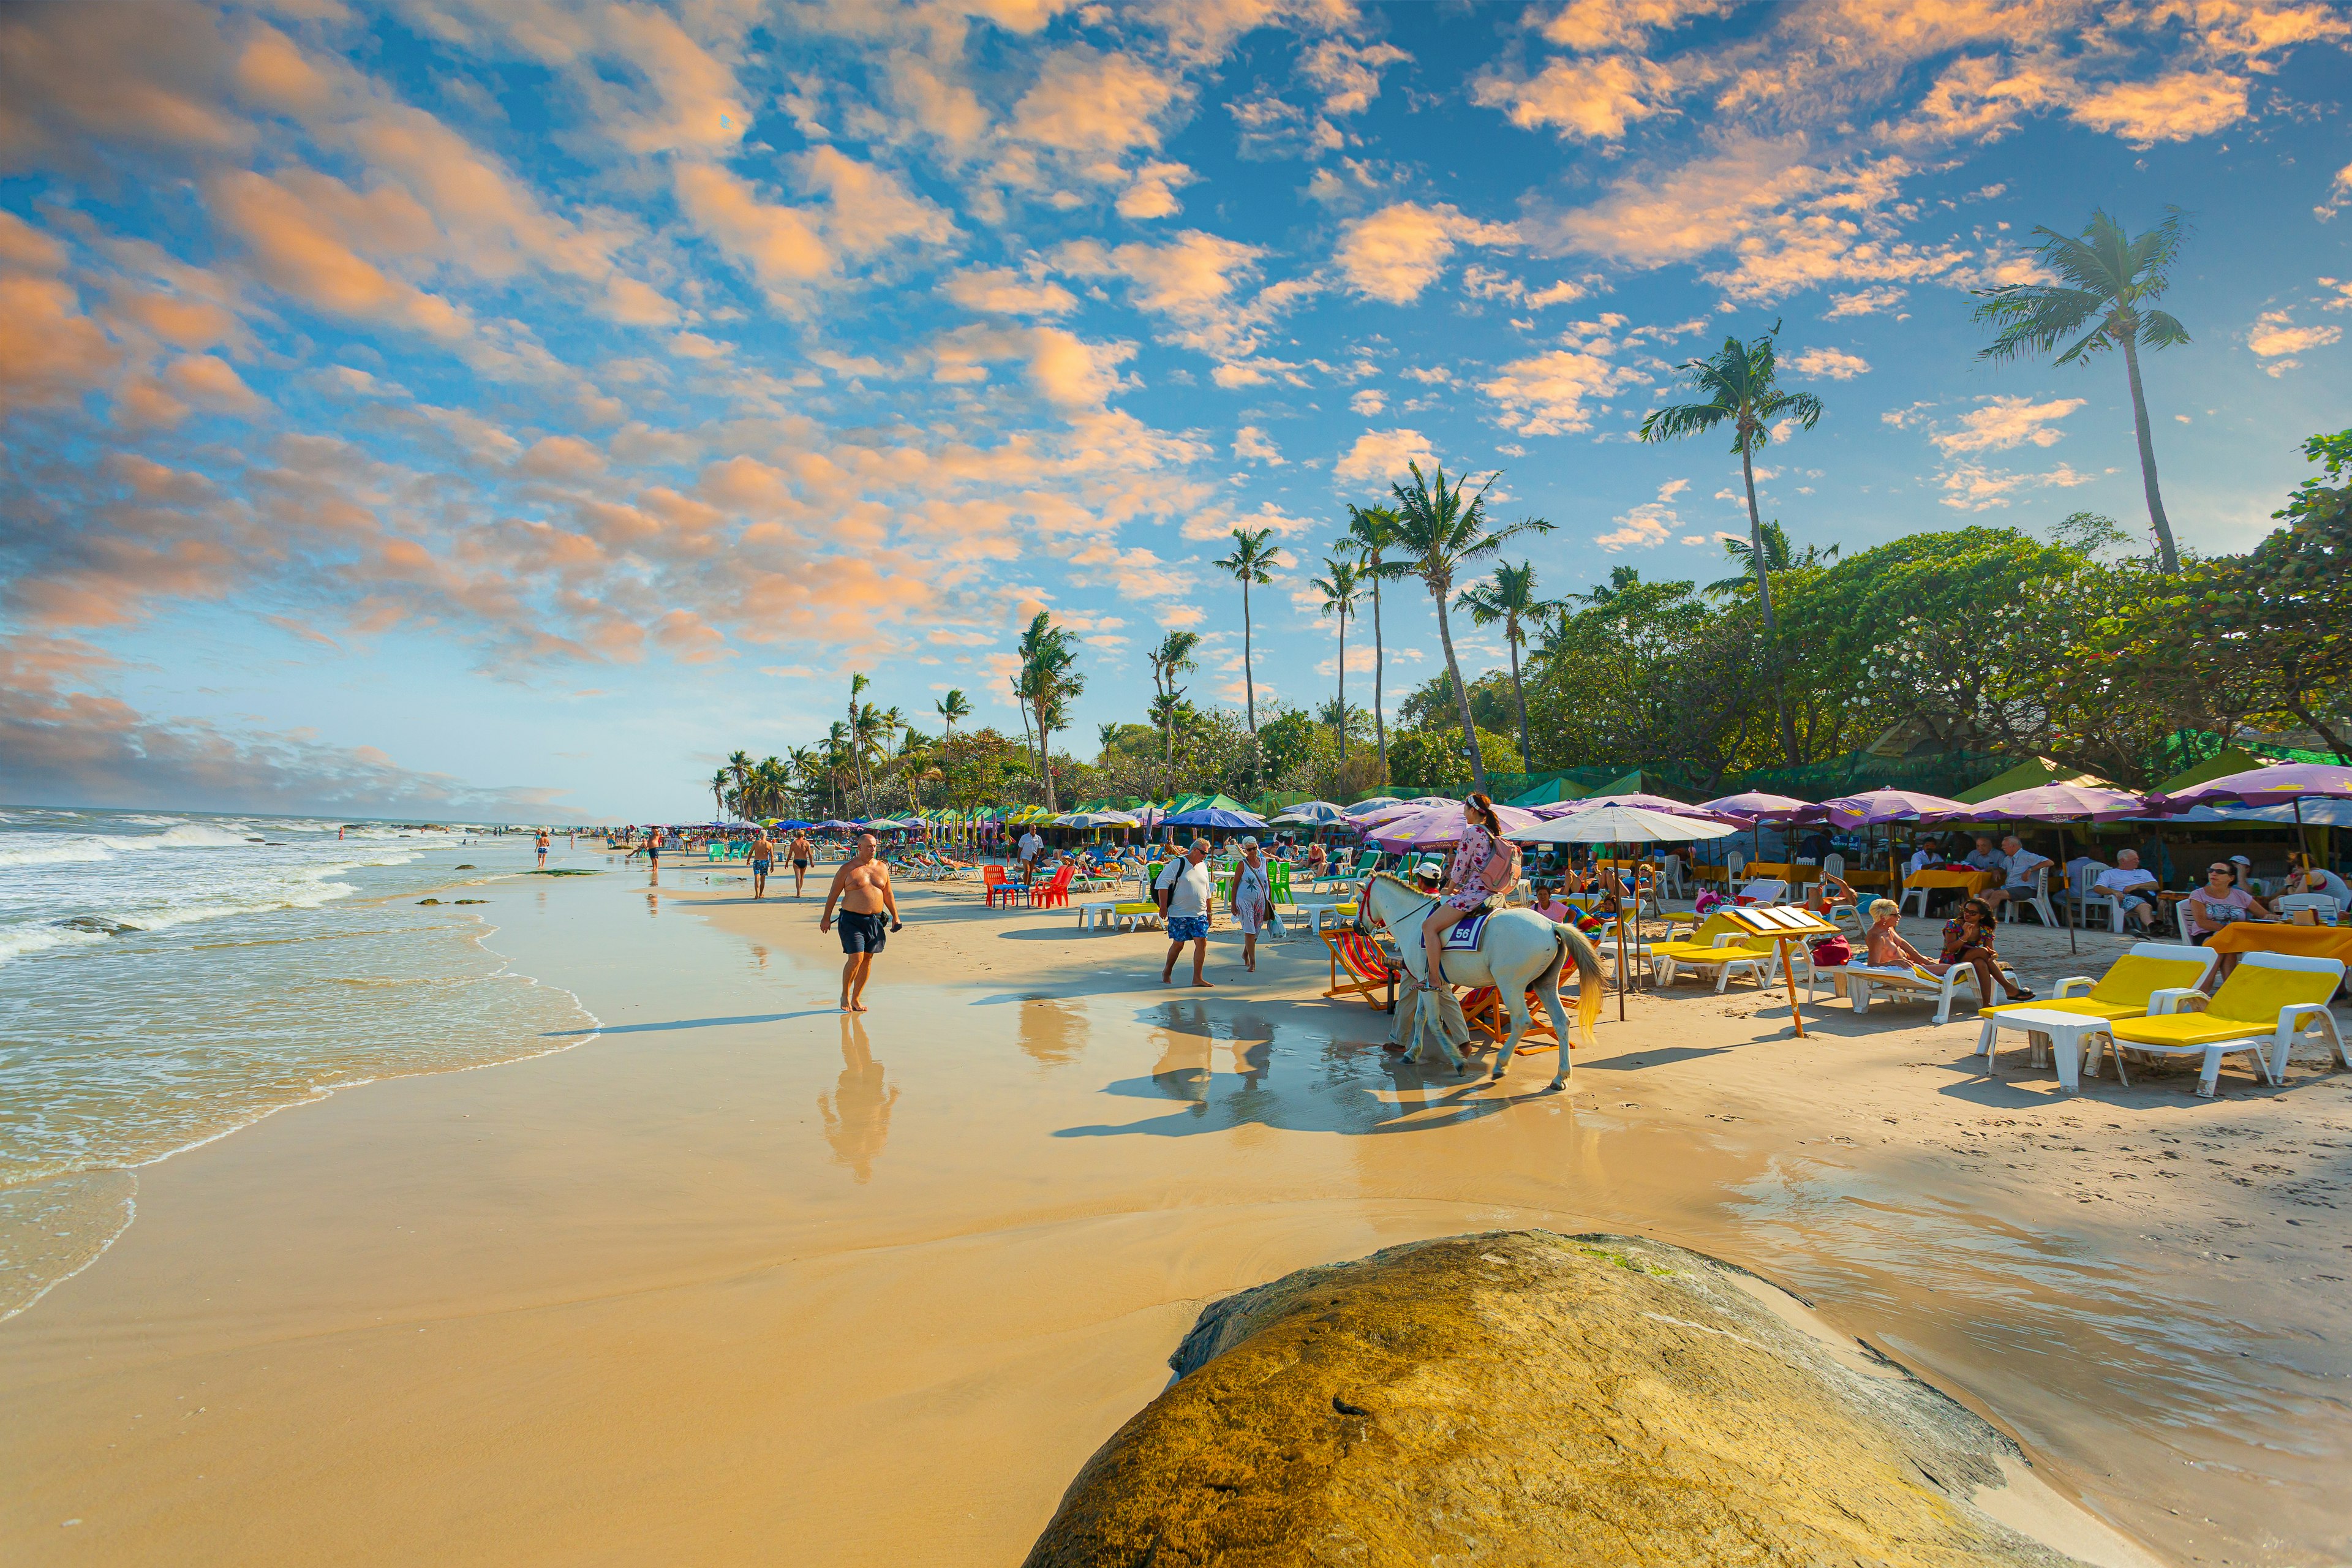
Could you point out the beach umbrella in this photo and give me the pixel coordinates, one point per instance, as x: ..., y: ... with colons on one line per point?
x: 1618, y: 825
x: 1439, y: 827
x: 1312, y: 812
x: 1888, y: 806
x: 2059, y: 804
x: 1095, y: 819
x: 1760, y: 808
x: 2283, y: 784
x: 1395, y: 811
x: 1657, y: 803
x: 1212, y: 817
x: 1364, y: 808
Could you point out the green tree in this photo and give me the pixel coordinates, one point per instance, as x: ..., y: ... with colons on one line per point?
x: 2107, y: 280
x: 1778, y: 556
x: 1171, y: 657
x: 1436, y: 761
x: 740, y: 764
x: 1509, y: 597
x: 1252, y: 562
x: 857, y: 683
x: 719, y: 791
x: 1339, y: 586
x: 953, y: 709
x: 1371, y: 534
x: 1048, y: 683
x: 1441, y: 528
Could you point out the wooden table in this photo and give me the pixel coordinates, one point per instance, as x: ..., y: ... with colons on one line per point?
x: 2269, y: 936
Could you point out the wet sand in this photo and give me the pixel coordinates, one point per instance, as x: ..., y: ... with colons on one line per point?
x: 742, y: 1281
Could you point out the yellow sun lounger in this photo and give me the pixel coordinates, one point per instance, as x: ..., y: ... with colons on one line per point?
x: 2130, y: 988
x: 2267, y: 1003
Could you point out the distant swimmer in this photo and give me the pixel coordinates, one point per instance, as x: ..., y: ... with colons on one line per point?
x: 869, y: 912
x: 803, y: 858
x: 764, y: 855
x: 542, y: 848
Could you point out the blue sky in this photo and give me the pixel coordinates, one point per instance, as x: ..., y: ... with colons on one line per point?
x: 510, y: 408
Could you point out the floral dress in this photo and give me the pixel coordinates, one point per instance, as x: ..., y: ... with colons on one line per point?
x: 1477, y: 851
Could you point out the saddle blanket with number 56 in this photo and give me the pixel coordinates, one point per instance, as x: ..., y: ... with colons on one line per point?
x: 1465, y: 935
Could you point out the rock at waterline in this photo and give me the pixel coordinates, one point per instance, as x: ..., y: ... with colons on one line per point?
x: 428, y: 900
x: 97, y: 925
x: 1526, y: 1398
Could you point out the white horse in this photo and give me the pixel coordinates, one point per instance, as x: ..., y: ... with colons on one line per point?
x: 1518, y: 951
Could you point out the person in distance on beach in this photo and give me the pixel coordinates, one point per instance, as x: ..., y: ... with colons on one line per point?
x: 862, y: 888
x: 764, y: 855
x: 801, y: 856
x: 542, y: 848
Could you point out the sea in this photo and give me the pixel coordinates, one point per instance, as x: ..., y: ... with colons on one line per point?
x: 169, y: 977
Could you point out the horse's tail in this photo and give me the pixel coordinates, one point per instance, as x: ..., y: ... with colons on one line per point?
x: 1590, y: 978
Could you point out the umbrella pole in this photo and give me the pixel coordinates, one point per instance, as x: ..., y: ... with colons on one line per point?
x: 2062, y: 897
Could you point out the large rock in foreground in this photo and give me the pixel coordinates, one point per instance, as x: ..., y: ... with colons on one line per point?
x: 1524, y: 1397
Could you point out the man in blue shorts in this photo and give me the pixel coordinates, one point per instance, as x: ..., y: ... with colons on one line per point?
x: 1183, y: 891
x: 862, y: 888
x: 764, y: 855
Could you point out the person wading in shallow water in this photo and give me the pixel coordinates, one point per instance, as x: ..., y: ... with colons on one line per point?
x: 869, y: 912
x: 764, y: 855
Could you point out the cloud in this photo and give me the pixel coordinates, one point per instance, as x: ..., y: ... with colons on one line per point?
x: 1095, y: 104
x: 1547, y: 394
x: 299, y: 232
x: 870, y: 209
x: 1195, y: 283
x: 1835, y: 363
x: 1380, y: 457
x: 1001, y: 291
x: 2176, y: 108
x: 1648, y: 525
x: 50, y: 354
x: 1863, y: 302
x: 1395, y: 253
x: 1062, y: 367
x: 778, y: 244
x: 1367, y: 401
x: 1250, y: 442
x: 1347, y: 74
x: 1154, y: 192
x: 1593, y: 99
x: 2004, y: 422
x: 2274, y: 335
x: 1592, y: 25
x: 1971, y: 488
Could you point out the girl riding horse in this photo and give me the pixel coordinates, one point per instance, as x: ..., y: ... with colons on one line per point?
x: 1484, y: 864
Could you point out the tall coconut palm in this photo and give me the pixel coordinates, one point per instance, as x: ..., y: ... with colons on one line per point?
x: 836, y: 758
x: 719, y: 791
x: 1441, y: 528
x: 1779, y: 555
x: 740, y: 764
x: 1048, y: 682
x: 857, y: 683
x: 2107, y: 279
x: 1738, y: 382
x: 1371, y: 532
x: 1252, y: 561
x: 805, y: 765
x: 1339, y: 587
x: 1172, y: 657
x: 953, y: 709
x: 1509, y: 597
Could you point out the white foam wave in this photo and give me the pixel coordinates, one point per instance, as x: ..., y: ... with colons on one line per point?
x: 64, y: 852
x: 16, y: 941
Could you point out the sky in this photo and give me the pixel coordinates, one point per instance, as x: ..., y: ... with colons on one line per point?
x: 508, y: 408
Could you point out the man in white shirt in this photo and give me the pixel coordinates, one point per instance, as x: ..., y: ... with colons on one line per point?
x: 1183, y: 892
x: 2133, y: 889
x: 2020, y: 864
x: 1031, y: 846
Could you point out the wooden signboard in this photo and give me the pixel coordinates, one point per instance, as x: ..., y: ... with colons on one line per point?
x: 1784, y: 924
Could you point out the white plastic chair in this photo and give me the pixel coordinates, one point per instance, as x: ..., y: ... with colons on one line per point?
x: 2084, y: 896
x: 2038, y: 900
x: 2289, y: 903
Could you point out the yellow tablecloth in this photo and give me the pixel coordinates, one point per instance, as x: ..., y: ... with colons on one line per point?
x: 1974, y: 881
x: 2261, y: 936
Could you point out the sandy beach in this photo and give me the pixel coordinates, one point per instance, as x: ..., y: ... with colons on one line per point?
x: 742, y: 1281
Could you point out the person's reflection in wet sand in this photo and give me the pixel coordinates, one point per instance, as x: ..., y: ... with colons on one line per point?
x: 653, y: 905
x: 1183, y: 1072
x: 857, y: 1113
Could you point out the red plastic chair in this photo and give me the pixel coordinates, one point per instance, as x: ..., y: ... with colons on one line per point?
x: 1055, y: 893
x: 991, y: 880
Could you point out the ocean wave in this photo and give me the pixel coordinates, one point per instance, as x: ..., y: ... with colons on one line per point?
x: 17, y: 940
x: 66, y: 852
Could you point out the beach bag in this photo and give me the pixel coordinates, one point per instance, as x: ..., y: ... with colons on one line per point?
x: 1832, y: 950
x: 1710, y: 900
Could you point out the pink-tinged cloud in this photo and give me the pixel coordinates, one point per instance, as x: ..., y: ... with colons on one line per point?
x: 294, y: 230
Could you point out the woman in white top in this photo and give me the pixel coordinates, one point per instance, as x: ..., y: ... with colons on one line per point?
x: 1253, y: 901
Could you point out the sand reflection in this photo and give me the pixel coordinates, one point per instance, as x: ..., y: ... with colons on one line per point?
x: 858, y: 1112
x: 1052, y: 1030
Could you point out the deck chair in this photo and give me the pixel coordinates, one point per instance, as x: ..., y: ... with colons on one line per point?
x: 1359, y: 967
x: 1483, y: 1010
x: 1859, y: 982
x: 2270, y: 1000
x: 2148, y: 979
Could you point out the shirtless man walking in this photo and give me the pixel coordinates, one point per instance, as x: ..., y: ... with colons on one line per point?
x: 764, y: 855
x: 801, y: 856
x: 862, y: 888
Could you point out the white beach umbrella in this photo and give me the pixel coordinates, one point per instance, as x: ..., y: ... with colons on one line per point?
x: 1620, y: 824
x: 1364, y: 808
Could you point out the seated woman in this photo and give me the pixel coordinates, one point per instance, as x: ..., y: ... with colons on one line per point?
x: 1551, y: 906
x: 2221, y: 902
x: 1967, y: 939
x: 1484, y: 863
x: 1885, y: 947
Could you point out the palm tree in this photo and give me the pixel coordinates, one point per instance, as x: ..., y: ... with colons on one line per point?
x: 1371, y: 531
x: 740, y: 764
x: 1251, y: 561
x: 719, y: 791
x: 2108, y: 277
x: 952, y: 709
x: 1441, y: 530
x: 1738, y: 382
x: 1340, y: 590
x: 1509, y: 597
x: 836, y: 757
x: 804, y: 763
x: 1779, y: 555
x: 858, y: 683
x: 1170, y: 658
x: 1048, y: 682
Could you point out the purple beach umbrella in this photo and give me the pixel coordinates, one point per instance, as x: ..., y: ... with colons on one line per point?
x: 2287, y: 784
x: 2060, y: 804
x: 1757, y: 807
x: 1441, y: 826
